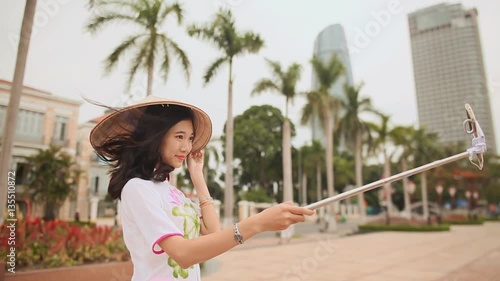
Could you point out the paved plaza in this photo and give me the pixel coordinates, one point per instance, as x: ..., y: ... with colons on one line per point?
x: 464, y: 253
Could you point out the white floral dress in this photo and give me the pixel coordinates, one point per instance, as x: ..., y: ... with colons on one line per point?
x: 151, y: 212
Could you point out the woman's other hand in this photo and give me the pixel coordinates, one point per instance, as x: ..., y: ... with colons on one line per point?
x: 195, y: 162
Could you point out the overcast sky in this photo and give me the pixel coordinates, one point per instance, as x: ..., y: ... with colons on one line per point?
x: 67, y: 61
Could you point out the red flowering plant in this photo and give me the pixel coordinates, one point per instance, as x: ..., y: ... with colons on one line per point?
x: 44, y: 244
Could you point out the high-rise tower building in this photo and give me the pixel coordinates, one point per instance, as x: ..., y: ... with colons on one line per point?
x: 331, y: 41
x: 449, y: 71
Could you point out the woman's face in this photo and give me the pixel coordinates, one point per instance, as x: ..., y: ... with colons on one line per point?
x: 177, y: 143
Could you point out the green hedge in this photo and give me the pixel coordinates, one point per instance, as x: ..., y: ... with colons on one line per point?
x: 472, y: 222
x: 410, y: 228
x: 82, y: 223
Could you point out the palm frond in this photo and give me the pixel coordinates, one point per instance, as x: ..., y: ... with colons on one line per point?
x: 213, y: 68
x: 137, y: 62
x: 275, y: 68
x: 151, y: 14
x: 294, y: 72
x: 264, y: 85
x: 202, y: 32
x: 327, y: 73
x: 165, y: 62
x: 102, y: 4
x: 152, y: 50
x: 112, y: 58
x: 252, y: 42
x: 176, y: 9
x: 181, y: 55
x: 312, y: 108
x: 99, y: 21
x: 290, y: 79
x: 221, y: 32
x: 148, y: 15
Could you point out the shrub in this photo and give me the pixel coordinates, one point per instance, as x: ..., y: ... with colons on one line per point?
x: 82, y: 223
x: 462, y: 220
x: 258, y: 195
x: 43, y: 244
x: 417, y: 228
x: 471, y: 222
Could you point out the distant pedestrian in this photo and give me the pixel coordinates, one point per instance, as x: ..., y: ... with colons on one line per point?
x: 144, y: 143
x: 77, y: 215
x: 492, y: 210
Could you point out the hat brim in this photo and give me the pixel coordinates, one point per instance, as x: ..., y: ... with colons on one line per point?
x: 124, y: 120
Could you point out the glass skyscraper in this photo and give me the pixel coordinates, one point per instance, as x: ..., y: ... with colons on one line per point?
x: 449, y: 71
x: 331, y: 41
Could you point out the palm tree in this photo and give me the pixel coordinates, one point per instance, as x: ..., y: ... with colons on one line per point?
x: 426, y: 150
x: 222, y: 32
x: 152, y: 46
x: 403, y: 138
x: 14, y: 101
x: 380, y: 143
x: 53, y: 176
x: 354, y: 128
x: 312, y: 160
x: 321, y: 104
x: 283, y: 83
x: 210, y: 153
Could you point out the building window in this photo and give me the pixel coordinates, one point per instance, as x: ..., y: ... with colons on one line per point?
x: 96, y: 185
x: 29, y: 125
x: 60, y: 131
x: 78, y: 148
x: 22, y: 172
x: 3, y: 116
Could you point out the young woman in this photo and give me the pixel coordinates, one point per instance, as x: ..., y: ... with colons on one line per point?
x: 166, y: 233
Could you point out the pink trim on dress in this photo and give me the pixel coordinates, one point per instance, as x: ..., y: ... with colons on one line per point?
x: 160, y: 239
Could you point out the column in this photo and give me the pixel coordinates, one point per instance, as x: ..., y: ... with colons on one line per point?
x: 243, y: 209
x: 94, y: 201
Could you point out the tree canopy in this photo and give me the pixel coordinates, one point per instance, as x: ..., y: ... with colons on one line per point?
x: 52, y: 179
x: 257, y: 139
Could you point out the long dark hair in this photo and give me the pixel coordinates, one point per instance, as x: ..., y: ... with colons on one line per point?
x: 136, y: 153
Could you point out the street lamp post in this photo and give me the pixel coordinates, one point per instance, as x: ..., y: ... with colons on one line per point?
x: 468, y: 195
x: 452, y: 191
x: 439, y: 191
x: 475, y: 199
x: 410, y: 189
x: 475, y: 195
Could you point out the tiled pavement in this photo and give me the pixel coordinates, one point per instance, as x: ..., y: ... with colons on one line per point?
x: 464, y: 253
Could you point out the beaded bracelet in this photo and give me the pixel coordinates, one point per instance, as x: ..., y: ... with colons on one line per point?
x: 206, y: 203
x: 206, y: 199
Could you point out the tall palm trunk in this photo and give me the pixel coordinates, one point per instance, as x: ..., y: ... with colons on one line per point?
x: 332, y: 223
x: 318, y: 182
x: 14, y: 100
x: 287, y: 163
x: 151, y: 68
x: 404, y: 167
x: 387, y: 187
x: 50, y: 210
x: 359, y: 177
x: 228, y: 192
x: 304, y: 189
x: 425, y: 205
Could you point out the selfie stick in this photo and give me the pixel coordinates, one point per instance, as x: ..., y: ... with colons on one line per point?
x: 471, y: 126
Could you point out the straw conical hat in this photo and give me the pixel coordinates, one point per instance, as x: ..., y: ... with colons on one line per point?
x: 124, y: 121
